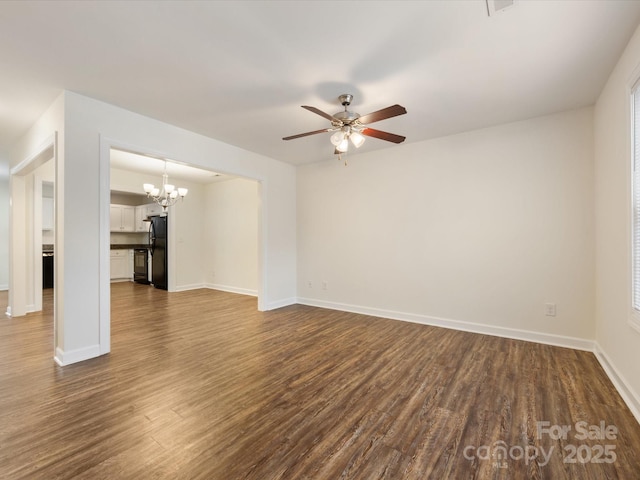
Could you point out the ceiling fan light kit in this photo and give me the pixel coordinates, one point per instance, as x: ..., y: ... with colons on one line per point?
x: 350, y: 126
x: 357, y: 139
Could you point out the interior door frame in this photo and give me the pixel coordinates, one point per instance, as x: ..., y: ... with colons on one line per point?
x: 106, y: 144
x: 20, y: 257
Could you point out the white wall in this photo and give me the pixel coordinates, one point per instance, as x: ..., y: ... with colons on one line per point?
x: 231, y: 236
x: 482, y: 228
x: 4, y: 224
x: 618, y: 341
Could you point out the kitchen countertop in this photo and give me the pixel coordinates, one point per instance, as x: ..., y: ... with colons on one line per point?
x: 127, y: 246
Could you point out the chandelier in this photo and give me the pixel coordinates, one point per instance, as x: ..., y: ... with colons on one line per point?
x: 166, y: 196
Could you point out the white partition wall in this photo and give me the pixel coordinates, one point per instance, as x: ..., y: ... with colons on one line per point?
x: 89, y: 129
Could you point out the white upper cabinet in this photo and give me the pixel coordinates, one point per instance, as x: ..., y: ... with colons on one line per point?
x: 145, y: 211
x: 123, y: 218
x: 141, y: 214
x: 153, y: 209
x: 126, y: 218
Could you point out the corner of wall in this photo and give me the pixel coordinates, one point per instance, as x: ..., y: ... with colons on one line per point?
x: 617, y: 342
x: 624, y: 387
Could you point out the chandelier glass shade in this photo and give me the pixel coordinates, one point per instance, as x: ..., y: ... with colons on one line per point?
x: 167, y: 195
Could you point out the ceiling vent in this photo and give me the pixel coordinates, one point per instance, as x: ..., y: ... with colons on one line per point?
x: 498, y: 6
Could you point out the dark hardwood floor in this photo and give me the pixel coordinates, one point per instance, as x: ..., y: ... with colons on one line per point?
x: 199, y: 385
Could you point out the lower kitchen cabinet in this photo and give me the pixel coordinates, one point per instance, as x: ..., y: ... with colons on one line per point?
x: 121, y: 264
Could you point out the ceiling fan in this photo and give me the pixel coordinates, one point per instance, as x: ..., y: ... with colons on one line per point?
x: 351, y: 126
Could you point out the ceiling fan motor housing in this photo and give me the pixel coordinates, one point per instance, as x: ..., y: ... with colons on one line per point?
x: 346, y: 117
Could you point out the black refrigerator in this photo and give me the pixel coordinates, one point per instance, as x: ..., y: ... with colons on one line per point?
x: 158, y: 246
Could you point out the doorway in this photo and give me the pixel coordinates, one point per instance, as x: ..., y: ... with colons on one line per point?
x: 27, y: 182
x: 213, y: 232
x: 175, y: 235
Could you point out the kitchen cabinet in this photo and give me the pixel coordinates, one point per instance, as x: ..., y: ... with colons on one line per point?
x: 123, y: 218
x: 47, y: 213
x: 144, y: 211
x: 121, y: 264
x: 141, y: 214
x: 153, y: 209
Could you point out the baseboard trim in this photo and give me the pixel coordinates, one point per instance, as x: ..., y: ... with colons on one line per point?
x: 230, y: 289
x: 285, y: 302
x: 63, y: 358
x: 241, y: 291
x: 630, y: 397
x: 193, y: 286
x: 513, y: 333
x: 4, y: 287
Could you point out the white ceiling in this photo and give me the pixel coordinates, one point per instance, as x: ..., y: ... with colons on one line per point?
x: 239, y: 71
x: 155, y: 167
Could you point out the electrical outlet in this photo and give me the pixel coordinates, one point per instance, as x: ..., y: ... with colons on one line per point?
x: 550, y: 309
x: 325, y: 285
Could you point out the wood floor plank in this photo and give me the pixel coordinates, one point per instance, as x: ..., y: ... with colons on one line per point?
x: 200, y: 385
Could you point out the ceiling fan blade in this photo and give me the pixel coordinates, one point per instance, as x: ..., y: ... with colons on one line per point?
x: 389, y: 137
x: 392, y: 111
x: 319, y: 112
x: 307, y: 134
